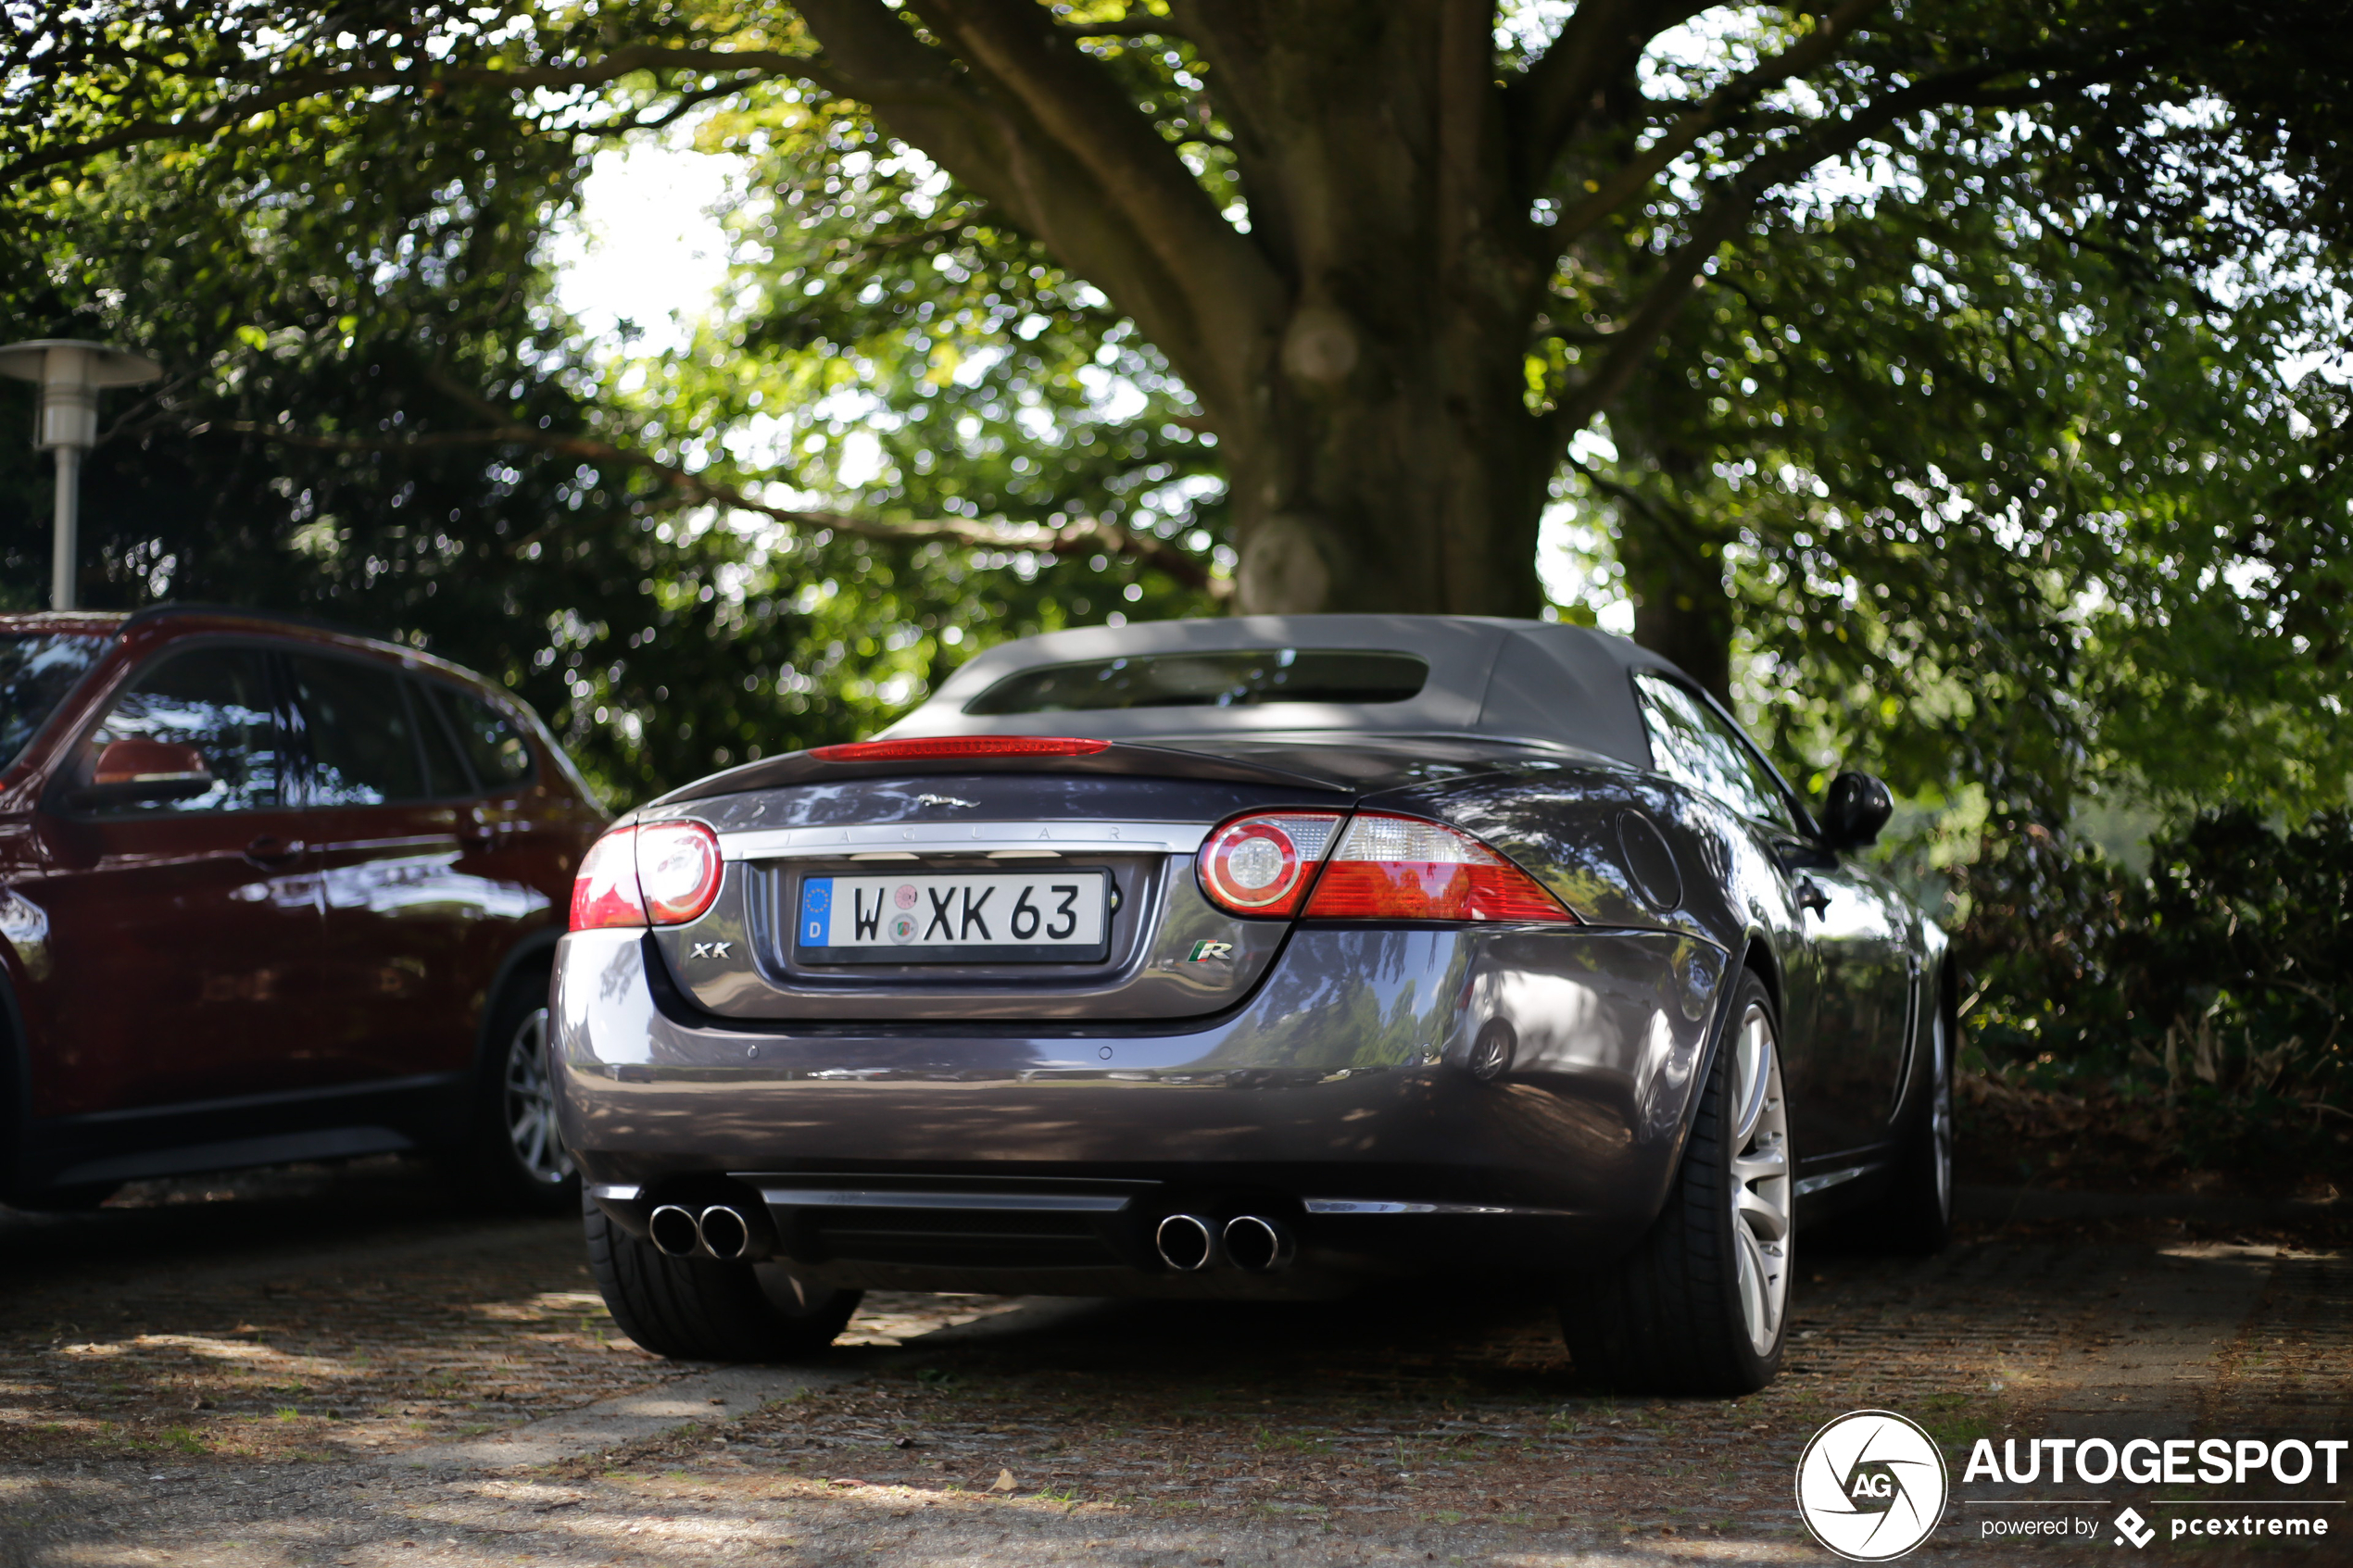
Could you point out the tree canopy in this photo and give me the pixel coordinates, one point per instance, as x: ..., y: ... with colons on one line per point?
x: 1929, y: 368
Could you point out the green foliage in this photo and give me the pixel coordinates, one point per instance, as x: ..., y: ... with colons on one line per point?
x: 2004, y: 497
x: 2212, y: 994
x: 368, y: 280
x: 1983, y: 441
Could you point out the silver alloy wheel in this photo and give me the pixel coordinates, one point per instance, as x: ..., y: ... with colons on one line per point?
x: 1760, y: 1180
x: 529, y: 1103
x: 1940, y: 1114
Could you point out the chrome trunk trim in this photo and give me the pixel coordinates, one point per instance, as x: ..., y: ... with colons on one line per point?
x: 963, y: 838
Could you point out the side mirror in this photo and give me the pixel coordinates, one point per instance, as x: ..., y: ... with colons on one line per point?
x: 145, y: 770
x: 1854, y: 811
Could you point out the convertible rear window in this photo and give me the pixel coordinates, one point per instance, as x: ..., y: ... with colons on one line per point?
x: 1236, y: 678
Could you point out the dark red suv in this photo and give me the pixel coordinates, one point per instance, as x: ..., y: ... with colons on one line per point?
x: 271, y: 892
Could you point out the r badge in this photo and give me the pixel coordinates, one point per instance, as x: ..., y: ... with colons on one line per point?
x: 1205, y: 952
x: 712, y: 949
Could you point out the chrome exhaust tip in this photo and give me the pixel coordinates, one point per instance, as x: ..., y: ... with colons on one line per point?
x: 1186, y: 1243
x: 1259, y: 1246
x: 725, y: 1233
x: 673, y: 1232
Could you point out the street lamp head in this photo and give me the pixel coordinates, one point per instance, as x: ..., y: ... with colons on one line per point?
x: 70, y: 372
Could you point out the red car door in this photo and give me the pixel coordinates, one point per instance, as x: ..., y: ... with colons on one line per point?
x: 181, y: 899
x: 417, y: 915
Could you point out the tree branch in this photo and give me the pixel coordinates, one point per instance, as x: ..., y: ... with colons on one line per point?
x: 1082, y: 536
x: 213, y: 120
x: 1729, y: 206
x: 1715, y: 110
x: 1551, y: 96
x: 1218, y: 280
x: 675, y: 113
x: 1147, y: 27
x: 1631, y: 343
x: 1044, y: 133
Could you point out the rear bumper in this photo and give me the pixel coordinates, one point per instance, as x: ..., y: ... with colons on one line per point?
x: 1338, y: 1099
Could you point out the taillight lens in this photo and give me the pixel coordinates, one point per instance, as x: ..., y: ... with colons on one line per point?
x: 662, y: 873
x: 958, y: 745
x: 1264, y: 863
x: 1403, y: 868
x: 678, y: 870
x: 604, y: 893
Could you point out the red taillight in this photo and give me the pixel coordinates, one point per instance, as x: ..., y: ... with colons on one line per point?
x: 678, y: 870
x: 604, y: 893
x: 958, y: 745
x: 1403, y: 868
x: 1263, y: 863
x: 662, y: 873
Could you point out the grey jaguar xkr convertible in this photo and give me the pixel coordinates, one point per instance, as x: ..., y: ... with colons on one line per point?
x: 1269, y: 958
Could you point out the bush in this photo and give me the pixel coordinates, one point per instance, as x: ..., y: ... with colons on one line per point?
x: 2203, y: 1006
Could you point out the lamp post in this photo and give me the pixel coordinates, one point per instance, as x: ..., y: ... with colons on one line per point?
x: 69, y: 373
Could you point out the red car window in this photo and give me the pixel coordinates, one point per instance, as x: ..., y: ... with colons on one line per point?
x: 214, y: 702
x: 494, y: 745
x: 363, y: 749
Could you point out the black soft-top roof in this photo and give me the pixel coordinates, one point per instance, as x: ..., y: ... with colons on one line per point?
x: 1512, y: 680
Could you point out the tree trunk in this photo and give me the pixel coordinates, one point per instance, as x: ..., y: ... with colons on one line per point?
x: 1378, y: 482
x: 1386, y: 459
x: 1673, y: 558
x: 1681, y: 610
x: 1352, y: 284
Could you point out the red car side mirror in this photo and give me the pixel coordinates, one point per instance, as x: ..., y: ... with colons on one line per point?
x: 145, y: 770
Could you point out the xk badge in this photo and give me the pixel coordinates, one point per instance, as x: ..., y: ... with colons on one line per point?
x: 1871, y: 1486
x: 712, y: 950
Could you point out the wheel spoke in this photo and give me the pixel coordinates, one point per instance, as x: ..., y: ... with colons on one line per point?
x: 1761, y: 1218
x: 1758, y: 1173
x: 531, y: 1104
x: 1762, y: 1165
x: 1752, y: 1082
x: 1755, y: 1306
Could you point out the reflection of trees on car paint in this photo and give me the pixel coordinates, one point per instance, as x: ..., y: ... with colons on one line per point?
x: 36, y: 672
x: 419, y: 884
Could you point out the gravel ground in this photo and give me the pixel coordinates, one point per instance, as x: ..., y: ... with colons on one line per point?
x: 314, y: 1368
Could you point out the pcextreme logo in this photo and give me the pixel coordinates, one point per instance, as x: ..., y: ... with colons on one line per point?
x: 1871, y: 1486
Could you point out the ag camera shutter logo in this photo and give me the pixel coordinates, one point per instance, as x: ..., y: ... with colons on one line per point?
x: 1871, y: 1486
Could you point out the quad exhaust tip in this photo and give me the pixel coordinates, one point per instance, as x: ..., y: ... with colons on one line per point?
x: 725, y: 1233
x: 1252, y: 1243
x: 718, y: 1232
x: 673, y: 1232
x: 1187, y: 1243
x: 1257, y: 1244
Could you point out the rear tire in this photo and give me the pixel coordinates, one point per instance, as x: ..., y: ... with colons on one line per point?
x: 703, y: 1310
x: 1701, y: 1305
x: 1916, y: 1213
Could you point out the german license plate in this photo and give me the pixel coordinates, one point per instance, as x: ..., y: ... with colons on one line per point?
x: 1015, y: 917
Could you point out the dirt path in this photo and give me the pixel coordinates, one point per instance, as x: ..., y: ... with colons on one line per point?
x: 340, y: 1371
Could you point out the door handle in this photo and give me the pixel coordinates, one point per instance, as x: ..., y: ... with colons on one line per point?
x: 1810, y: 894
x: 270, y: 850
